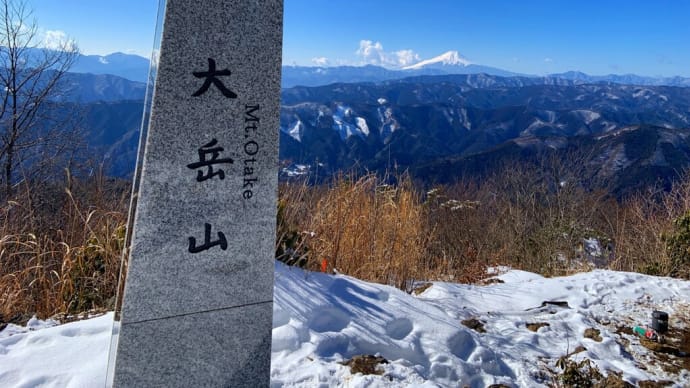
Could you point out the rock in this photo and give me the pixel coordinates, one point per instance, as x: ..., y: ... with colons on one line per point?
x: 558, y: 303
x: 420, y: 288
x: 488, y: 281
x: 654, y: 384
x: 536, y: 326
x: 658, y: 347
x: 365, y: 364
x: 474, y: 324
x: 593, y: 334
x: 613, y: 380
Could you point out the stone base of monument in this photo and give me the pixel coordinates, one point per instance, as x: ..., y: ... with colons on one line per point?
x: 194, y: 345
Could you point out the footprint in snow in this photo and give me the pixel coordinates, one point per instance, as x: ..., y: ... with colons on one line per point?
x: 399, y: 328
x: 462, y: 345
x: 280, y: 317
x: 327, y: 319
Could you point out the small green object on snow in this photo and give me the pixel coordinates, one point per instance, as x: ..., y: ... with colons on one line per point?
x: 646, y: 333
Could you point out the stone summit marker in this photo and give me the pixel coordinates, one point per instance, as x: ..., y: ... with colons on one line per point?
x: 198, y: 297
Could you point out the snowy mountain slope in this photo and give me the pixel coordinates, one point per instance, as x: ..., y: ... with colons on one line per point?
x: 451, y: 62
x: 477, y: 123
x: 450, y: 58
x: 322, y: 320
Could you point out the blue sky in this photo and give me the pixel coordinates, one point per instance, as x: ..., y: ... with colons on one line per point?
x: 534, y: 37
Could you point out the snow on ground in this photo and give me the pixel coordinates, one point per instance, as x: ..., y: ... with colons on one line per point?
x: 73, y: 355
x: 322, y: 320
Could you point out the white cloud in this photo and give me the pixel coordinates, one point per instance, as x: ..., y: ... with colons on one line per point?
x: 320, y: 61
x: 373, y: 53
x: 548, y: 60
x: 58, y: 40
x: 406, y: 57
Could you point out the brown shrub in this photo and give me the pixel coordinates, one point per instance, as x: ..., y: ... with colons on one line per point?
x: 369, y: 230
x: 60, y: 251
x: 643, y: 225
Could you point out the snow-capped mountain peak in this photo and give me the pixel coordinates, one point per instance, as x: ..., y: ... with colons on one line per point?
x: 452, y: 58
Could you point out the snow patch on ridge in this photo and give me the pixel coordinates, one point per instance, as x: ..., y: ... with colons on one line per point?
x: 362, y: 125
x: 293, y: 127
x: 343, y: 123
x: 388, y: 122
x: 296, y: 131
x: 587, y: 116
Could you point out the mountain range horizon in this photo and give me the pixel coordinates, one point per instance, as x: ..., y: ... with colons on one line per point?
x: 449, y: 62
x: 445, y: 119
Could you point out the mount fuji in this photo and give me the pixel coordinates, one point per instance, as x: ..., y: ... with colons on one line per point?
x: 451, y: 62
x: 450, y: 58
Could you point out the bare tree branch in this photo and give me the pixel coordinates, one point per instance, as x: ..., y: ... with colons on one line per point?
x: 30, y: 78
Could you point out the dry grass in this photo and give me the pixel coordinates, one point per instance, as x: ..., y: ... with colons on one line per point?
x: 60, y: 249
x: 370, y: 230
x: 60, y: 246
x: 526, y: 217
x: 642, y: 224
x: 520, y: 217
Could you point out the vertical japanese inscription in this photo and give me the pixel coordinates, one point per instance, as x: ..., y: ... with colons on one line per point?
x: 212, y: 149
x: 209, y: 153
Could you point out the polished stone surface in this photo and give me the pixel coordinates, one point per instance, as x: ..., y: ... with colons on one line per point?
x: 214, y: 353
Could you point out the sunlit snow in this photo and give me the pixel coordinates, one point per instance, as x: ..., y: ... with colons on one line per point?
x: 322, y: 320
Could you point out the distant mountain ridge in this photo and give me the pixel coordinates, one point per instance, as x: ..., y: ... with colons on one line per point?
x: 89, y: 87
x: 446, y: 127
x: 135, y: 68
x: 319, y: 76
x: 450, y: 58
x: 129, y: 66
x: 627, y: 79
x: 445, y: 64
x: 440, y: 126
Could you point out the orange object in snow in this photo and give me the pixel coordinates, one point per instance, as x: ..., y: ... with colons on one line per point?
x: 324, y: 265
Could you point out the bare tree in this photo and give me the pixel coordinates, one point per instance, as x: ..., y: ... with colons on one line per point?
x: 30, y: 82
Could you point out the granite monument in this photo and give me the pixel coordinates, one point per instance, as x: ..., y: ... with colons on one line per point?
x: 198, y: 295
